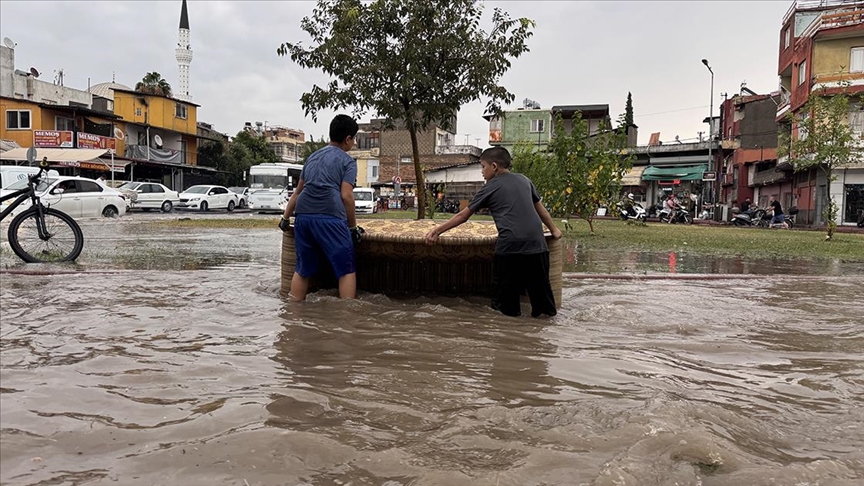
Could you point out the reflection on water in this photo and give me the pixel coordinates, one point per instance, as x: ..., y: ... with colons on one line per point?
x: 208, y: 377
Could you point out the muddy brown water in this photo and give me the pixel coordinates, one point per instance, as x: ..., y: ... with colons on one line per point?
x: 168, y: 357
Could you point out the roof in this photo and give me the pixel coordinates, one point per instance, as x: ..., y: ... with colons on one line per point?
x: 139, y: 93
x: 585, y: 109
x: 453, y: 166
x: 184, y: 17
x: 106, y: 90
x: 80, y: 110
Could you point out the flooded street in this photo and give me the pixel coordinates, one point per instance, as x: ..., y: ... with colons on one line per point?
x: 166, y: 356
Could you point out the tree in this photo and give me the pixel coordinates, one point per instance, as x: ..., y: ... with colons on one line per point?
x: 412, y: 63
x: 311, y: 146
x: 245, y: 150
x: 578, y: 172
x: 628, y: 111
x: 825, y: 141
x: 154, y: 83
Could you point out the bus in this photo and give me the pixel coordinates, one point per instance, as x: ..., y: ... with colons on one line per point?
x: 271, y: 185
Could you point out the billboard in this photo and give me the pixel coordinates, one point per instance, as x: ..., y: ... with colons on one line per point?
x: 52, y: 138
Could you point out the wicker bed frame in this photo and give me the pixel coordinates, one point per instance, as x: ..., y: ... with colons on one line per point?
x: 394, y: 259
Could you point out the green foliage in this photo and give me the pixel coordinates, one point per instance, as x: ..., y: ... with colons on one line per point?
x: 245, y: 150
x: 311, y: 146
x: 628, y: 111
x: 154, y: 83
x: 412, y: 63
x: 578, y: 172
x: 829, y: 142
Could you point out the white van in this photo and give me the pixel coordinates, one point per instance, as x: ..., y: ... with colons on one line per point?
x: 364, y: 200
x: 12, y: 173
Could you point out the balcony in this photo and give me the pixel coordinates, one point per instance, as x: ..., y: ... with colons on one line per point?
x: 784, y: 103
x: 458, y: 150
x: 770, y: 176
x: 837, y: 80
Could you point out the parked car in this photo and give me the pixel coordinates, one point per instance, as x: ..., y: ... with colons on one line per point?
x: 364, y: 200
x: 78, y: 197
x: 242, y: 196
x: 150, y: 195
x: 205, y: 198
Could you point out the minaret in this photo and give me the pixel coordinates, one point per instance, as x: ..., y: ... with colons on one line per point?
x: 183, y: 54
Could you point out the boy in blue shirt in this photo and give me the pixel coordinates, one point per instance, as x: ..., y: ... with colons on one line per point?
x: 323, y: 206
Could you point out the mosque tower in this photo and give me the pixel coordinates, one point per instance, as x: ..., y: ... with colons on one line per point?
x: 183, y: 54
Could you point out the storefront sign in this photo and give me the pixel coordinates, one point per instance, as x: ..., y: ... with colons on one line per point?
x: 90, y: 141
x: 709, y: 176
x: 52, y: 138
x: 83, y: 165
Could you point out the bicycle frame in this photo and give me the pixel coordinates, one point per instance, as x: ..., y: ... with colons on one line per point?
x: 21, y: 195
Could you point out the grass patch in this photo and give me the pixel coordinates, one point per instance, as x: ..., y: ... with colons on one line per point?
x: 717, y: 240
x: 614, y: 235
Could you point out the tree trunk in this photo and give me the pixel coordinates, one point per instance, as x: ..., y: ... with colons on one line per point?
x: 420, y: 185
x: 830, y: 213
x: 590, y: 224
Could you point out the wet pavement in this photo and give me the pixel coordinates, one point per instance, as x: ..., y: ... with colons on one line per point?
x: 167, y: 356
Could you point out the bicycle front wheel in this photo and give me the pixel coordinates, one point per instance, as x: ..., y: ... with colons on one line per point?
x: 63, y: 243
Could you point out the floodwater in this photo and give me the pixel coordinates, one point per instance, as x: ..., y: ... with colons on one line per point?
x: 168, y: 357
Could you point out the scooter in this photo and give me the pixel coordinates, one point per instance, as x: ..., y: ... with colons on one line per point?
x: 638, y: 214
x: 752, y: 217
x: 680, y: 216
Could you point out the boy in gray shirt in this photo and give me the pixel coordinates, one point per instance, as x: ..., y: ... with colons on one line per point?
x: 521, y: 255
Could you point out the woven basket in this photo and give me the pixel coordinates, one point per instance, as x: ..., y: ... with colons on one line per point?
x: 395, y: 259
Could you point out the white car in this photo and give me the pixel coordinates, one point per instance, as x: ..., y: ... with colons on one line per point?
x: 242, y: 196
x: 78, y: 197
x: 205, y: 198
x: 150, y: 195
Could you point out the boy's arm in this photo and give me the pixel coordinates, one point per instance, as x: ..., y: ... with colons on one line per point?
x: 456, y: 220
x: 547, y: 219
x: 348, y: 200
x: 292, y: 202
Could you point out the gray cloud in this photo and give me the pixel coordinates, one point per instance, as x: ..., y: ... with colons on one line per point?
x: 581, y: 53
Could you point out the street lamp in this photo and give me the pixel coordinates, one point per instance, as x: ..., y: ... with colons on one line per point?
x: 711, y: 135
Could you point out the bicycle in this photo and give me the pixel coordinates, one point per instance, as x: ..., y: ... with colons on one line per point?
x: 41, y: 234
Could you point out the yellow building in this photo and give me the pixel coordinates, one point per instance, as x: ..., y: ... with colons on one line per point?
x: 158, y: 128
x: 32, y: 124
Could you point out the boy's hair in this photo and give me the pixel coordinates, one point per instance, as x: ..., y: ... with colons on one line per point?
x: 341, y: 127
x: 497, y: 155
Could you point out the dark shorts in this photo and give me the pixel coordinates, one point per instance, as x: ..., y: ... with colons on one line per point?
x: 512, y: 275
x: 320, y: 238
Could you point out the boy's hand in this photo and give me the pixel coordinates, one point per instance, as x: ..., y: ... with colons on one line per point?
x: 432, y: 236
x: 557, y: 234
x: 284, y: 224
x: 357, y: 234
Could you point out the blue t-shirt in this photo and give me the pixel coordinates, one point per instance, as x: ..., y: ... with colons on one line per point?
x: 323, y: 175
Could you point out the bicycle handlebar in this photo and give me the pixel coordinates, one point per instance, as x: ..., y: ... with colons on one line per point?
x: 43, y: 165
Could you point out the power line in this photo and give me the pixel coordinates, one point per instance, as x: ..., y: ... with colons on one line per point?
x: 671, y: 111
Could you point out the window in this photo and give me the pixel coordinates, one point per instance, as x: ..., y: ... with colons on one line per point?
x: 18, y: 119
x: 787, y: 37
x: 180, y: 111
x: 372, y: 167
x: 856, y: 62
x: 155, y: 188
x: 856, y: 120
x: 802, y: 72
x: 537, y: 126
x: 137, y: 111
x: 89, y: 186
x: 63, y: 123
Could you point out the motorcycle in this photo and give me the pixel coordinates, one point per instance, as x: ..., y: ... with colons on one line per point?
x: 680, y: 216
x: 752, y: 217
x: 637, y: 213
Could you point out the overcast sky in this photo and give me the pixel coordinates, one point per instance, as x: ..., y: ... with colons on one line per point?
x: 581, y: 53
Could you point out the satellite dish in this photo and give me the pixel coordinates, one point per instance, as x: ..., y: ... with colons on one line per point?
x: 34, y: 72
x: 118, y: 134
x: 158, y: 140
x: 8, y: 43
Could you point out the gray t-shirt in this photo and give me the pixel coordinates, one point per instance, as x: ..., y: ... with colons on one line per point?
x: 510, y: 198
x: 323, y: 175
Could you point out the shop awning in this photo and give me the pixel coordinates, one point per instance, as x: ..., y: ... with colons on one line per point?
x: 684, y: 173
x: 633, y: 177
x: 56, y: 155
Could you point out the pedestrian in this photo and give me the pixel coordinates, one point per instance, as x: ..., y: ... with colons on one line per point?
x: 323, y: 206
x: 778, y: 216
x: 521, y: 260
x: 101, y: 179
x: 745, y: 206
